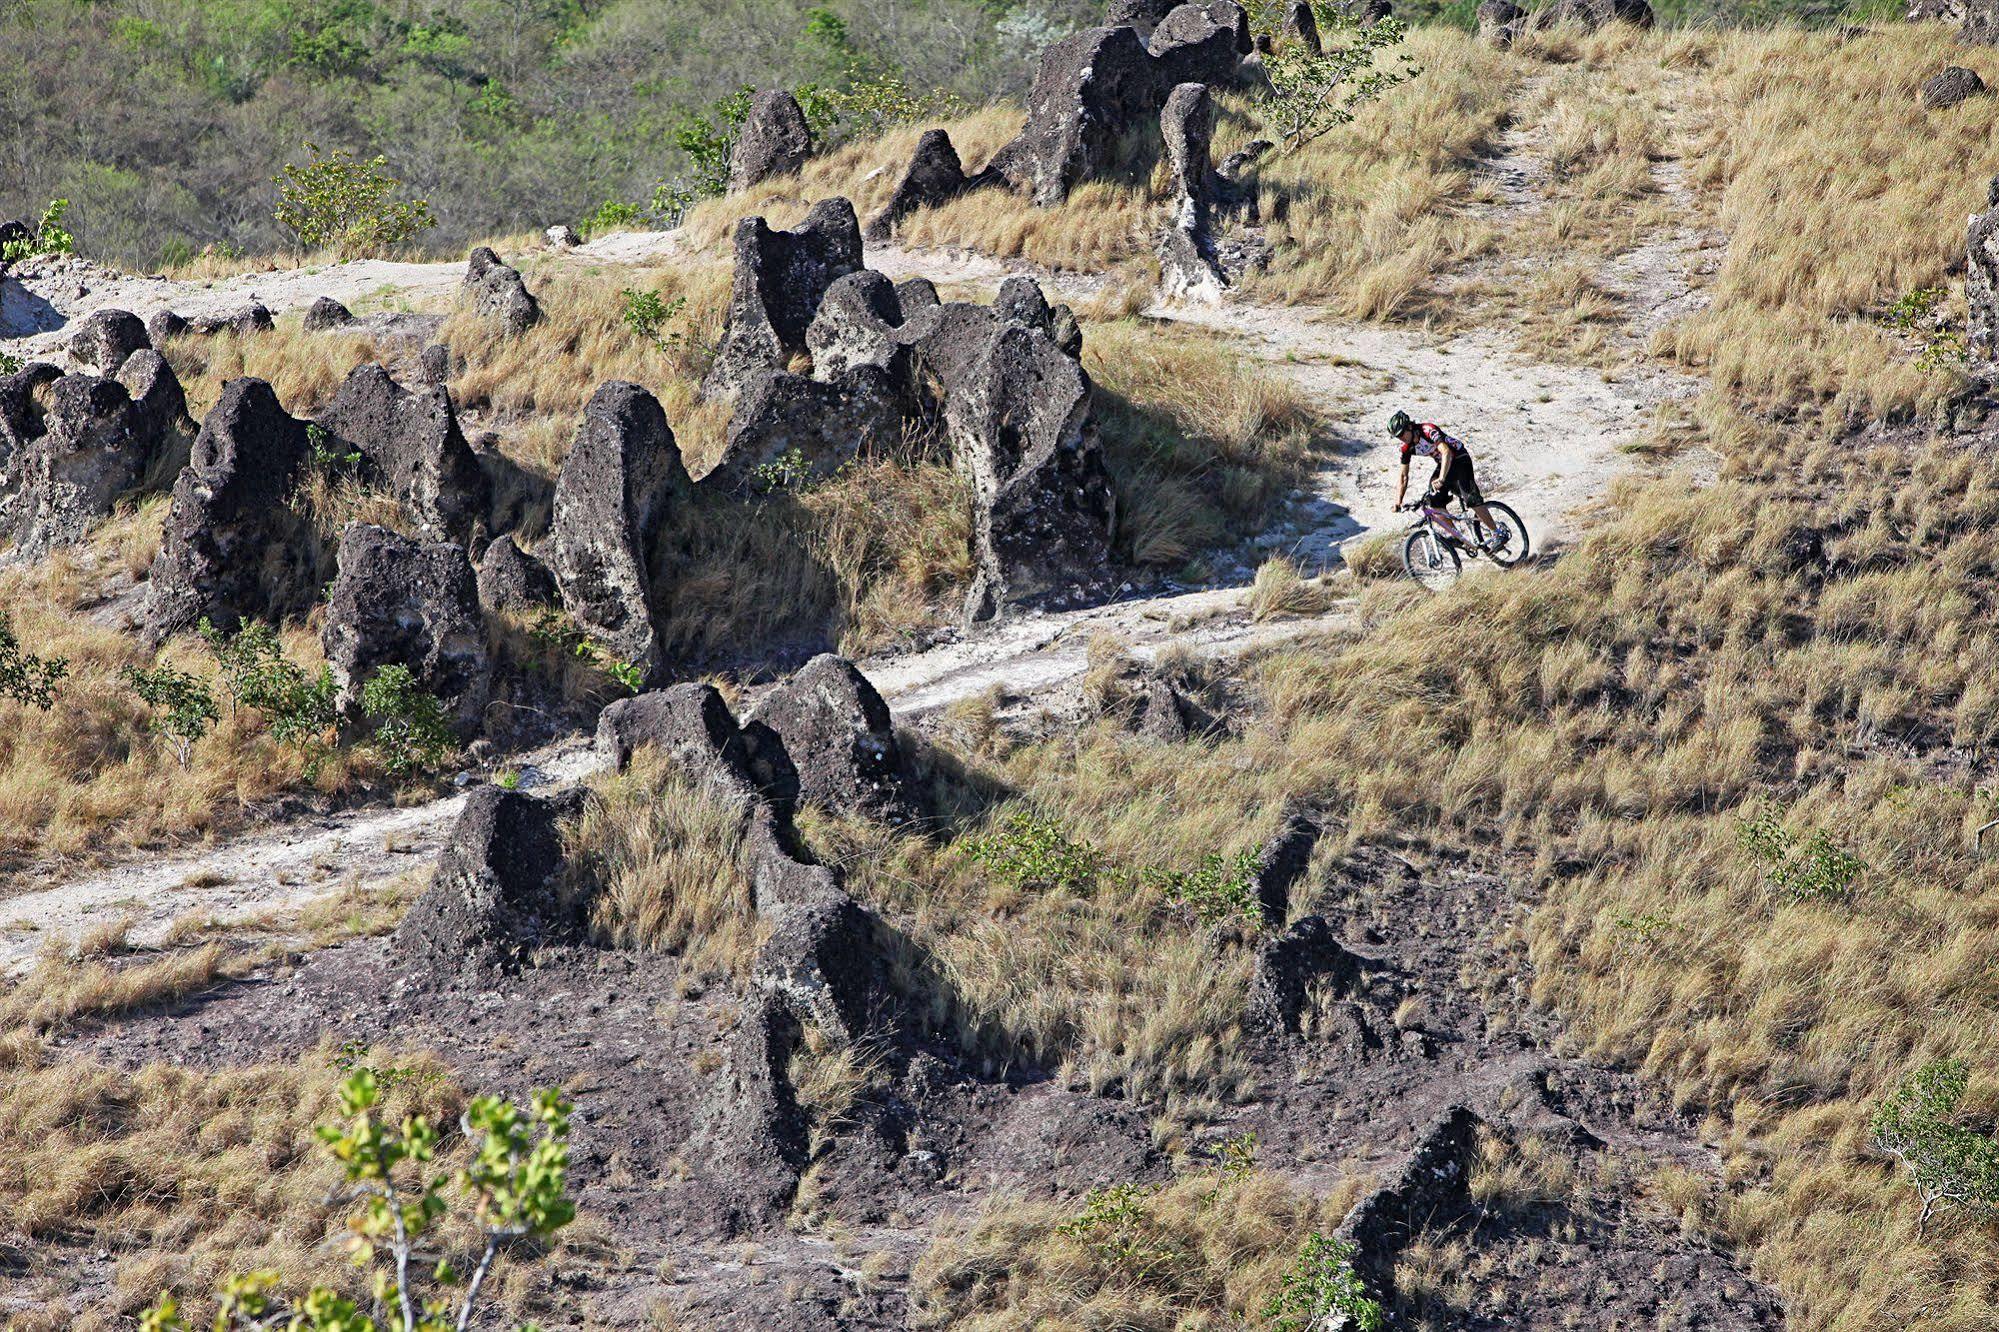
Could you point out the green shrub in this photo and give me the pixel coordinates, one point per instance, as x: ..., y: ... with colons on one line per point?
x: 787, y: 471
x: 1937, y: 347
x: 648, y: 315
x: 341, y: 202
x: 1312, y: 95
x: 1322, y: 1292
x: 183, y: 708
x: 410, y: 728
x: 25, y: 677
x: 297, y: 706
x: 49, y: 236
x: 1034, y: 851
x: 516, y: 1187
x: 610, y: 215
x: 1116, y: 1226
x: 1220, y: 890
x: 1949, y: 1165
x: 1815, y: 869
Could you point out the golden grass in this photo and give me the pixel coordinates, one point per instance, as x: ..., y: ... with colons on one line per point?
x: 662, y: 860
x: 1202, y: 1253
x: 1279, y: 591
x: 304, y: 369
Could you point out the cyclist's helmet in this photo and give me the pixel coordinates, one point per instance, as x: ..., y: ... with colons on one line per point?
x: 1399, y: 423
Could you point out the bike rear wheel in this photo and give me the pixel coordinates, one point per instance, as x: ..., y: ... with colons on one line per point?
x: 1515, y: 547
x: 1430, y: 560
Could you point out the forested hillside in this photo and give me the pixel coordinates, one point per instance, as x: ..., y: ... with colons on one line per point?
x: 163, y: 121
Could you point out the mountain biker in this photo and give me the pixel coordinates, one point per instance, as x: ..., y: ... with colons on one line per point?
x: 1454, y: 477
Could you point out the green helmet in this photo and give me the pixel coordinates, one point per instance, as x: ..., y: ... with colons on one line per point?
x: 1399, y: 423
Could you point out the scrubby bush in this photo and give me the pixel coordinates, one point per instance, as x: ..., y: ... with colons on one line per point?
x: 1220, y: 890
x: 1033, y: 850
x: 338, y: 201
x: 183, y: 706
x: 25, y: 677
x: 411, y: 730
x: 48, y: 237
x: 1323, y: 1293
x: 297, y: 704
x: 1948, y: 1164
x: 516, y: 1185
x: 1815, y: 868
x: 1310, y: 95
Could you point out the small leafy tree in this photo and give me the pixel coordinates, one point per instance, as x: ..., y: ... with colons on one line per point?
x: 610, y: 215
x: 340, y: 201
x: 1219, y: 890
x: 1814, y: 868
x: 297, y: 704
x: 48, y: 237
x: 1311, y: 94
x: 650, y: 316
x: 183, y: 707
x: 1116, y: 1226
x: 1950, y: 1165
x: 1323, y: 1293
x: 25, y: 677
x: 1032, y: 850
x: 516, y: 1185
x: 411, y: 730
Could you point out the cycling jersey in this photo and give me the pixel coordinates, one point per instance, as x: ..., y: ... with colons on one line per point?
x: 1429, y: 438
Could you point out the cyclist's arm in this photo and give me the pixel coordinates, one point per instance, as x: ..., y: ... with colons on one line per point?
x: 1446, y: 455
x: 1402, y: 488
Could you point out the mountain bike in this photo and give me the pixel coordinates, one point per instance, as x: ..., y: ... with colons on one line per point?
x: 1435, y: 548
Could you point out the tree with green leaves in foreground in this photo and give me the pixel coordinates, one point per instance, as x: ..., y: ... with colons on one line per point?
x: 1950, y: 1165
x: 516, y: 1186
x: 340, y: 202
x: 1311, y: 94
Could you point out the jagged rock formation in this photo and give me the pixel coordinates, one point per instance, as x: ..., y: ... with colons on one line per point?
x: 1144, y: 15
x: 398, y: 601
x: 94, y: 445
x: 1282, y: 861
x: 1188, y: 268
x: 1500, y: 22
x: 107, y: 337
x: 22, y: 418
x: 781, y: 420
x: 252, y: 319
x: 1302, y: 26
x: 780, y: 278
x: 234, y: 548
x: 165, y: 324
x: 156, y: 390
x: 617, y: 486
x: 1981, y: 276
x: 1951, y: 85
x: 773, y: 141
x: 934, y: 176
x: 499, y: 291
x: 842, y: 741
x: 692, y: 724
x: 1286, y: 968
x: 410, y: 442
x: 562, y: 236
x: 434, y: 364
x: 1593, y: 14
x: 326, y: 313
x: 1431, y: 1189
x: 511, y: 579
x: 498, y: 891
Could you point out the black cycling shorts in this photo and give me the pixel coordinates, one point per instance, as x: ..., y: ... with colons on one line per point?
x: 1461, y: 484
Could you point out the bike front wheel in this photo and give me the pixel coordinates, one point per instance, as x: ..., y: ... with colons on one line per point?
x: 1430, y: 560
x: 1513, y: 546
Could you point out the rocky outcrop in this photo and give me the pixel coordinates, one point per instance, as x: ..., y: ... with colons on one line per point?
x: 22, y: 419
x: 498, y: 892
x: 617, y: 486
x: 95, y: 444
x: 156, y: 390
x: 1286, y: 968
x: 165, y: 324
x: 411, y: 444
x: 842, y: 741
x: 1946, y: 11
x: 1144, y: 15
x: 933, y: 177
x: 511, y: 579
x: 1981, y: 276
x: 562, y: 236
x: 106, y: 338
x: 751, y: 1136
x: 788, y: 429
x: 1981, y: 23
x: 499, y: 292
x: 1302, y: 27
x: 326, y: 313
x: 773, y: 141
x: 233, y: 547
x: 1593, y: 14
x: 1188, y: 267
x: 1094, y: 88
x: 252, y: 319
x: 780, y: 278
x: 1950, y: 86
x: 403, y: 602
x: 1282, y: 862
x: 1500, y: 22
x: 1431, y: 1189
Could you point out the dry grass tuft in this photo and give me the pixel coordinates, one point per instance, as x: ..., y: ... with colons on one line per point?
x: 1281, y: 592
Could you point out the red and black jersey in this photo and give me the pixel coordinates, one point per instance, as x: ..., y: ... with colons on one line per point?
x: 1429, y: 441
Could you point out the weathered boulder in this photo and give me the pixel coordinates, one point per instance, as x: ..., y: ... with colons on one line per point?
x: 22, y: 419
x: 842, y: 740
x: 622, y: 477
x: 107, y: 337
x: 399, y: 601
x: 857, y: 324
x: 1286, y: 968
x: 1431, y: 1189
x: 1188, y: 268
x: 1091, y: 88
x: 1945, y: 11
x: 1164, y: 715
x: 1500, y: 22
x: 498, y: 892
x: 325, y: 313
x: 1302, y: 26
x: 434, y: 364
x: 156, y: 390
x: 562, y: 236
x: 1593, y: 14
x: 511, y: 579
x: 252, y: 319
x: 1981, y: 23
x: 773, y: 141
x: 786, y: 429
x: 165, y: 324
x: 411, y: 443
x: 780, y: 278
x: 499, y: 292
x: 1144, y: 15
x: 751, y: 1136
x: 1981, y: 276
x: 1201, y: 42
x: 692, y: 723
x: 234, y: 548
x: 1374, y: 11
x: 94, y: 446
x: 1283, y: 860
x: 1950, y: 86
x: 934, y: 176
